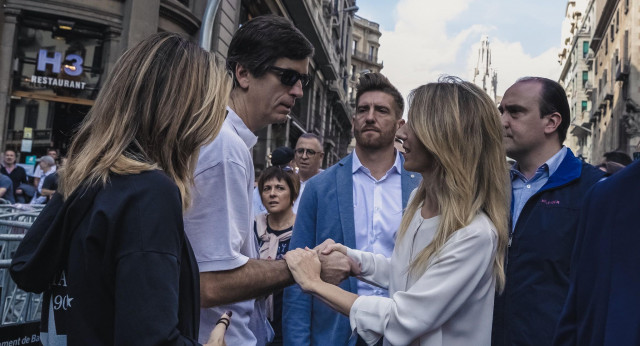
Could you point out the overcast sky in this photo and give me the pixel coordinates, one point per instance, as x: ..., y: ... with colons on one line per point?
x: 423, y: 39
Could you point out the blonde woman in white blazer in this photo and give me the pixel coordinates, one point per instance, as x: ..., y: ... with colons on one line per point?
x: 448, y: 259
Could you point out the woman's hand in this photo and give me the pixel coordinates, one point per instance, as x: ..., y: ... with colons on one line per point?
x: 336, y: 247
x: 217, y: 334
x: 329, y: 248
x: 304, y: 265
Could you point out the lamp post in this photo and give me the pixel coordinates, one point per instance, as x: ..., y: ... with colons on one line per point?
x: 206, y: 30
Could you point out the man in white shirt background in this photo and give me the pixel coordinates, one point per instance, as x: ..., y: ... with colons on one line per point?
x: 308, y: 158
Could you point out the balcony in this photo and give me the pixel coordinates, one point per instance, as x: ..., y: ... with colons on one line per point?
x: 608, y: 96
x: 365, y: 57
x: 589, y: 59
x: 622, y: 71
x: 588, y: 89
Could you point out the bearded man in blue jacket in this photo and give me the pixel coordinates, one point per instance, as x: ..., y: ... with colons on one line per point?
x: 548, y: 187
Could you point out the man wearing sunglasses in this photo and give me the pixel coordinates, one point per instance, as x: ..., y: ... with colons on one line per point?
x: 268, y: 58
x: 308, y: 159
x: 357, y: 202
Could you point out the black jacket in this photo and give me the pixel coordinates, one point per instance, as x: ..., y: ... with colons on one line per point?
x: 115, y: 265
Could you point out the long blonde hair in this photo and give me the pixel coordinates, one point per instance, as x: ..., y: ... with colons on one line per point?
x: 164, y: 99
x: 460, y: 127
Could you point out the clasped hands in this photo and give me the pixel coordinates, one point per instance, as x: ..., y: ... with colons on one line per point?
x: 327, y: 262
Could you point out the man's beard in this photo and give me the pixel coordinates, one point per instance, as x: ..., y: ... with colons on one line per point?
x: 383, y: 140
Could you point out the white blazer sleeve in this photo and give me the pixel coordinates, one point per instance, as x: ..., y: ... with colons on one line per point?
x: 374, y: 267
x: 438, y: 294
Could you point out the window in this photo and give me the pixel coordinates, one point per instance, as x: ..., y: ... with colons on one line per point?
x: 372, y: 50
x: 354, y: 48
x: 585, y: 49
x: 617, y: 20
x: 584, y: 106
x: 31, y: 114
x: 611, y: 33
x: 585, y: 78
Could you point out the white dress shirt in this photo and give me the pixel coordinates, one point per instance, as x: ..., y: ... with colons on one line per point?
x: 450, y: 303
x: 219, y: 225
x: 377, y: 212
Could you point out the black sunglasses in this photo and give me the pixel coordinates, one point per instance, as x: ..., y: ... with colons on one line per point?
x: 290, y: 77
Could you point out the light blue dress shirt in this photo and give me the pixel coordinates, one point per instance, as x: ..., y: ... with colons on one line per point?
x: 522, y: 188
x: 377, y: 212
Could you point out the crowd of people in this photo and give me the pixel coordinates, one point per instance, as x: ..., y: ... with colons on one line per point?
x: 34, y: 185
x: 161, y: 233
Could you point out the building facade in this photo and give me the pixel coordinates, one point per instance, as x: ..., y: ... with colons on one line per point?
x: 615, y: 114
x: 609, y: 120
x: 365, y: 43
x: 576, y: 59
x: 56, y: 55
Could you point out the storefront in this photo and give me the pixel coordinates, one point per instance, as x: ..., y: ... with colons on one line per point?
x: 57, y: 69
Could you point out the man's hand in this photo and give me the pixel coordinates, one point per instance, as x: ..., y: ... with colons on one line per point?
x: 335, y: 266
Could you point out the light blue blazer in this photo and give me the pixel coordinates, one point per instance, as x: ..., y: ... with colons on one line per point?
x: 326, y: 211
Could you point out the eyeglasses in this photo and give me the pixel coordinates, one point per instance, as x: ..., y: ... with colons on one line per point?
x: 310, y: 152
x: 290, y: 77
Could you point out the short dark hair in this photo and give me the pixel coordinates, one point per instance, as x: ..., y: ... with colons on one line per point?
x: 263, y: 40
x: 312, y: 136
x: 553, y: 99
x: 287, y: 174
x: 378, y: 82
x: 618, y: 157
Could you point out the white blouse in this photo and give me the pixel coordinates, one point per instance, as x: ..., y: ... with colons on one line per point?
x: 450, y: 303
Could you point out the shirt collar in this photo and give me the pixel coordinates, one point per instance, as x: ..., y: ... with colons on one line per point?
x: 357, y: 165
x: 551, y: 165
x: 249, y: 138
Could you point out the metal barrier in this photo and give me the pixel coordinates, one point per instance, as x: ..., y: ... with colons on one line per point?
x: 16, y: 306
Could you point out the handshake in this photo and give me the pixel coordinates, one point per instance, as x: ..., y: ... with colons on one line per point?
x: 327, y: 262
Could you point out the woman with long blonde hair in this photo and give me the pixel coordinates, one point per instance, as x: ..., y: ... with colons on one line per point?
x: 110, y: 251
x: 448, y: 259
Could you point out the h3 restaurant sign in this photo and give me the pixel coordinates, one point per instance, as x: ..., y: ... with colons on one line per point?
x: 71, y: 65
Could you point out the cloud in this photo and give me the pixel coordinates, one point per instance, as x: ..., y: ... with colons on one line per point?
x: 423, y: 46
x: 419, y: 50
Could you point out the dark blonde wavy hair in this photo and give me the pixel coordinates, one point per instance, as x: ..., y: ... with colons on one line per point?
x: 165, y: 98
x: 460, y: 127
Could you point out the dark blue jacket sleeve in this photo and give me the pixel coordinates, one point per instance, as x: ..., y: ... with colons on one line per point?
x: 297, y: 305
